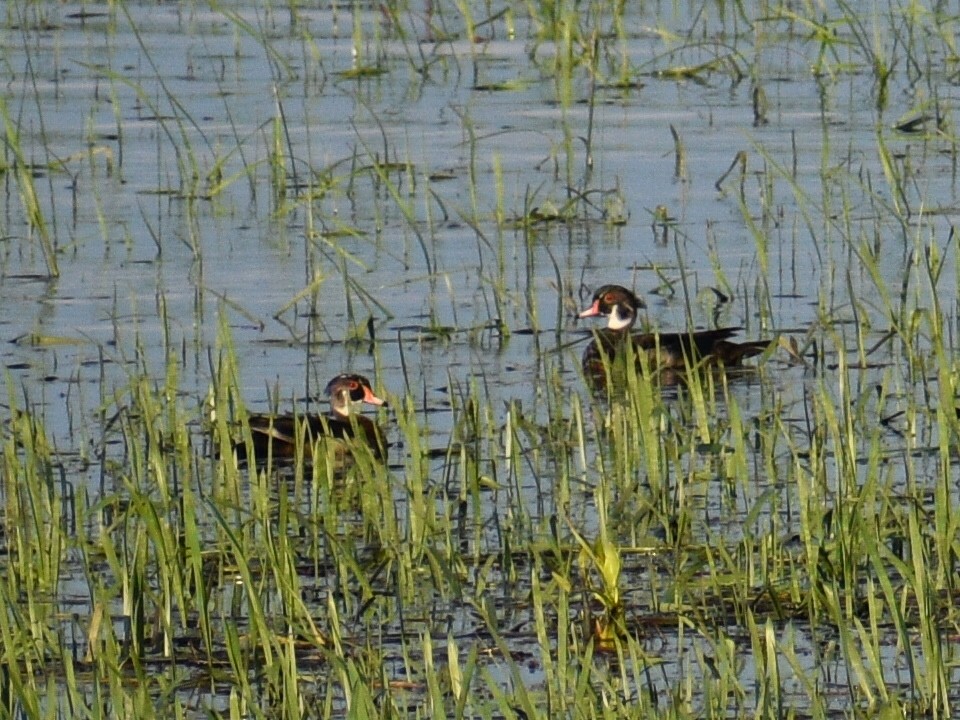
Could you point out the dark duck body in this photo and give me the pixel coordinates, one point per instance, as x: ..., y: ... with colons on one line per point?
x: 664, y: 351
x: 277, y: 434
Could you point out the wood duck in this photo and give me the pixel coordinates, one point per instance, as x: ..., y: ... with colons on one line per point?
x: 278, y: 433
x: 664, y: 351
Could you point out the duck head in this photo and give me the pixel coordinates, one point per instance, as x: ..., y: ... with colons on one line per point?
x: 347, y: 390
x: 617, y: 304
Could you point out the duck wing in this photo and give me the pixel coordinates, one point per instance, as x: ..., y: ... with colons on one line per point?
x: 677, y: 349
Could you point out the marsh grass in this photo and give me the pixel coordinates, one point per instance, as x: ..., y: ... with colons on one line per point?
x: 29, y: 199
x: 286, y: 578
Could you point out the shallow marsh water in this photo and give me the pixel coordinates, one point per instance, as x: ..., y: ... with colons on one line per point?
x: 296, y: 173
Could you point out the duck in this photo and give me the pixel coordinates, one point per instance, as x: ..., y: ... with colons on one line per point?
x: 278, y: 433
x: 671, y: 352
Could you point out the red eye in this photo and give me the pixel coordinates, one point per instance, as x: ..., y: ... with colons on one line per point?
x: 354, y: 385
x: 609, y: 298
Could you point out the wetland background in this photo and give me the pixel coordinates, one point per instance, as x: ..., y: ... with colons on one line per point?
x: 234, y: 202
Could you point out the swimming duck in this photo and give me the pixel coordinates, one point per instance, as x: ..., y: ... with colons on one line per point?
x: 343, y: 423
x: 665, y: 351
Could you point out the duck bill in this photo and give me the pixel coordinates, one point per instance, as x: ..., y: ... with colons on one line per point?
x: 591, y: 311
x: 370, y: 398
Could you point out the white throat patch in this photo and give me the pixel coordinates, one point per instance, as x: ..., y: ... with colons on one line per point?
x: 619, y: 320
